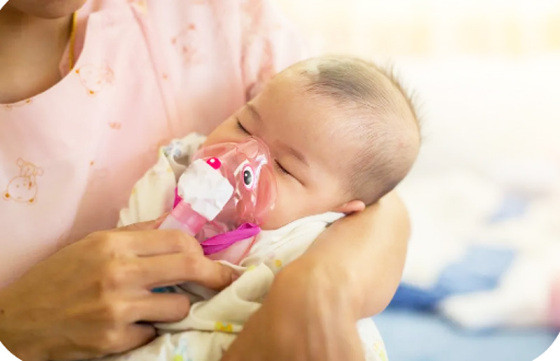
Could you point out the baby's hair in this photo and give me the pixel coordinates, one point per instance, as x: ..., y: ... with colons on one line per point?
x: 379, y: 116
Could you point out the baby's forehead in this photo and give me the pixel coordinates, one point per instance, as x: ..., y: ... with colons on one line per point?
x: 334, y: 143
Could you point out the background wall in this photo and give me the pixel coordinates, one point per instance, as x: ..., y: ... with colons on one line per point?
x: 429, y: 27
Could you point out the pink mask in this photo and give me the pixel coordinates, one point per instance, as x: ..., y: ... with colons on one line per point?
x: 226, y: 208
x: 248, y: 168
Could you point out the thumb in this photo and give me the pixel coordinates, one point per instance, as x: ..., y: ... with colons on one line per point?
x: 215, y: 275
x: 148, y: 225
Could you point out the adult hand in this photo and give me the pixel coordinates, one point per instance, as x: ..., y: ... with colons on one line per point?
x: 91, y: 298
x: 315, y: 323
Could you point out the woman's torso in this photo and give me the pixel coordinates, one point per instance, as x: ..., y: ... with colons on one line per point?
x: 147, y: 72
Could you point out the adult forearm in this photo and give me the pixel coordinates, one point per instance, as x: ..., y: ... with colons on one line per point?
x: 364, y: 254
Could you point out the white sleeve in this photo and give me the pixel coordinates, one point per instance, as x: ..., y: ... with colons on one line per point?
x: 154, y: 193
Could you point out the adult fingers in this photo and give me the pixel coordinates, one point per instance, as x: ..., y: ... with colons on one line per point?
x: 178, y: 268
x: 214, y: 275
x: 158, y: 242
x: 162, y: 307
x: 140, y: 226
x: 114, y: 341
x: 136, y: 335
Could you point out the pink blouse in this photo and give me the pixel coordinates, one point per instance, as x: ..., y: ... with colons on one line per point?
x: 146, y: 71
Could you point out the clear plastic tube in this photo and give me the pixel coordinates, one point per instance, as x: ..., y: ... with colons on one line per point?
x: 184, y: 218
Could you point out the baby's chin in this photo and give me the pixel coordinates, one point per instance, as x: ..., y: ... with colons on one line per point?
x: 271, y: 224
x: 275, y: 220
x: 278, y: 219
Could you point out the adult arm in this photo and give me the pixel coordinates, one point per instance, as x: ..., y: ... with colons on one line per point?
x: 89, y: 299
x: 350, y: 272
x: 367, y: 250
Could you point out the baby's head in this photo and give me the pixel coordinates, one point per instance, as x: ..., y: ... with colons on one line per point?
x: 341, y: 132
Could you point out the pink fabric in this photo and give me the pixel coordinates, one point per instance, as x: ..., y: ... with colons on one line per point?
x: 177, y: 198
x: 146, y: 72
x: 222, y: 241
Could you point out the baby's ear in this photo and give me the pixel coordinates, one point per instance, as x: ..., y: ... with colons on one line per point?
x: 351, y: 207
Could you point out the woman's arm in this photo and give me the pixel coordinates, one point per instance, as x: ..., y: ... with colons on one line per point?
x: 350, y: 272
x: 367, y: 251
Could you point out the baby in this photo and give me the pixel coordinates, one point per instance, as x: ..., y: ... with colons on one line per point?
x: 340, y: 131
x: 341, y: 134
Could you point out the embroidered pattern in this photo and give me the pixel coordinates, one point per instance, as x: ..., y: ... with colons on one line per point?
x: 23, y: 187
x: 95, y: 78
x: 180, y: 352
x: 380, y: 349
x: 223, y: 327
x: 18, y: 104
x: 185, y: 45
x: 115, y: 125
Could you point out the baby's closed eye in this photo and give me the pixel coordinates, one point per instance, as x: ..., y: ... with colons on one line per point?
x: 241, y: 127
x: 281, y: 168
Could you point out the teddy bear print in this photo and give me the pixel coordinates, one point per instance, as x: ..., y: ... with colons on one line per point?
x: 183, y: 42
x: 95, y: 78
x: 23, y: 187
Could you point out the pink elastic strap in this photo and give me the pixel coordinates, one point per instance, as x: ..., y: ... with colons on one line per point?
x: 177, y: 198
x: 224, y: 240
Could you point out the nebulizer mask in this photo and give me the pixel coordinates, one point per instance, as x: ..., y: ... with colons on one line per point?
x: 226, y: 192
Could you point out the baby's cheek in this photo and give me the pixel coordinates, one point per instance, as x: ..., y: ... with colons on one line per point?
x: 282, y: 213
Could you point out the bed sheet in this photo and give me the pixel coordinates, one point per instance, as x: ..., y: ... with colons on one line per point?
x: 411, y: 335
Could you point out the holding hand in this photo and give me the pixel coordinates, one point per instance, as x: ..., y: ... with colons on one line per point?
x: 92, y: 297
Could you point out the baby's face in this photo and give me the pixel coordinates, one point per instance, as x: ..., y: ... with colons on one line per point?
x: 309, y: 159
